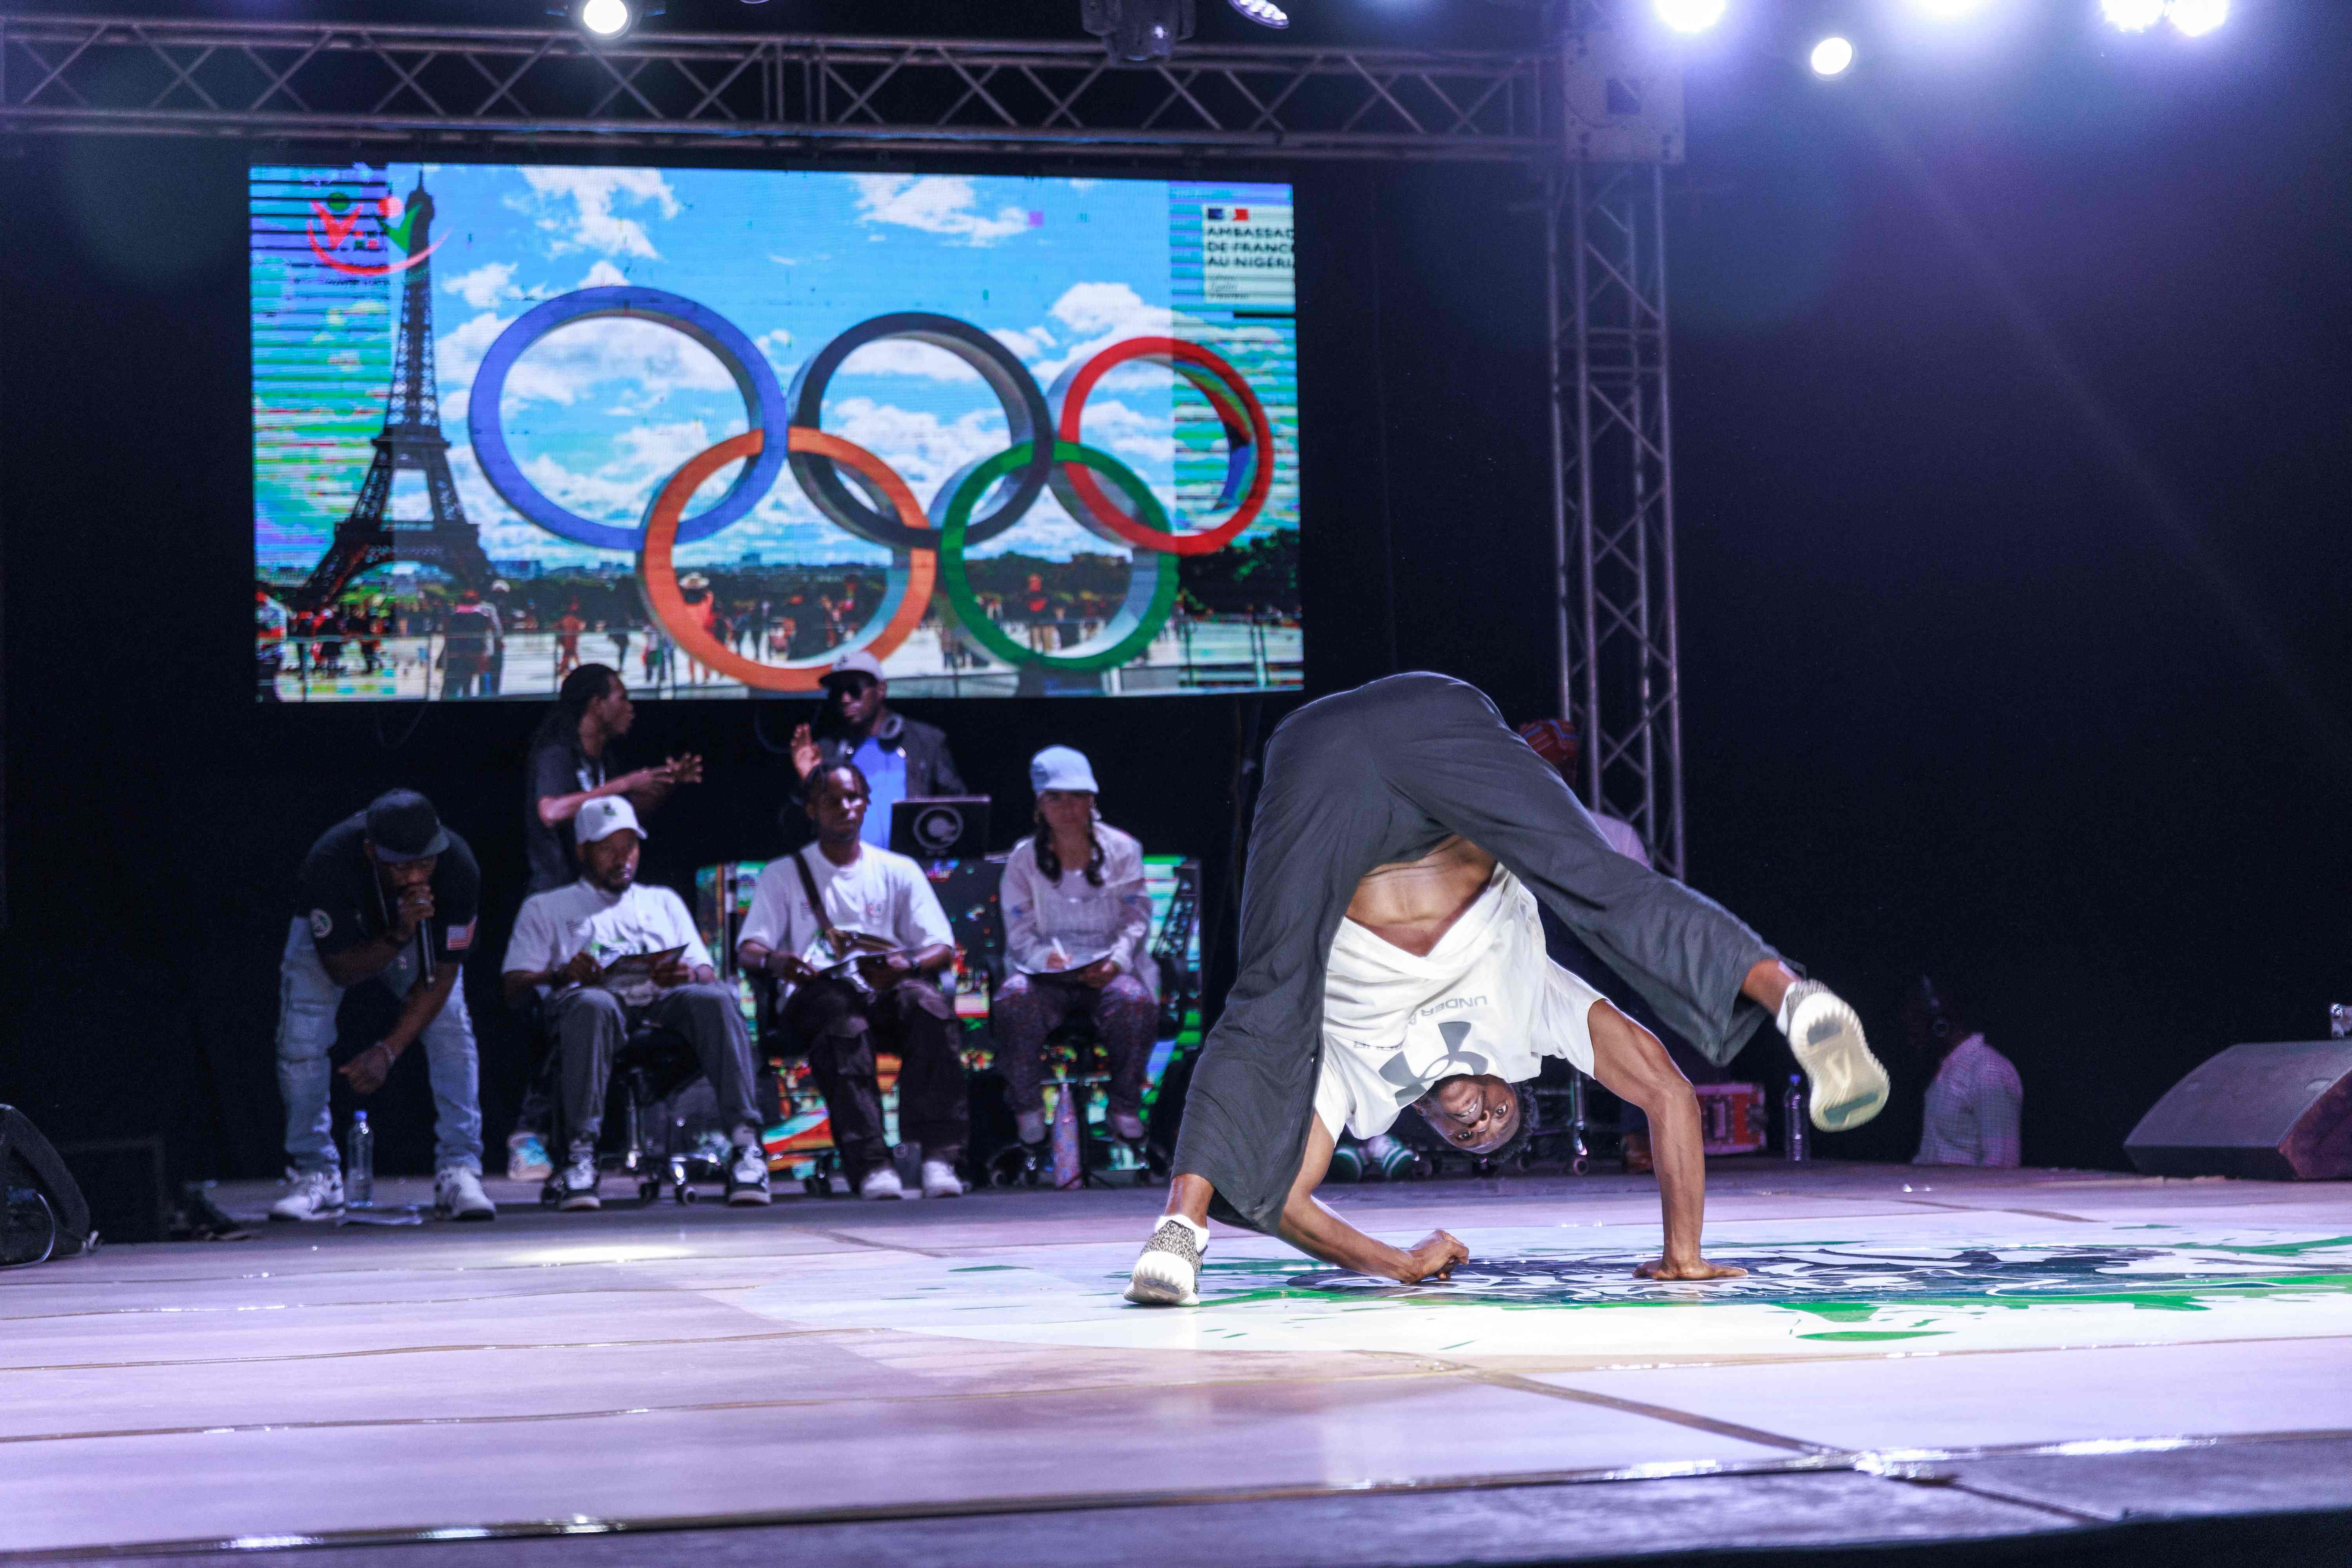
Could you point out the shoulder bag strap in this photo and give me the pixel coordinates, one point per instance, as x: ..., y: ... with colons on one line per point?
x: 826, y: 928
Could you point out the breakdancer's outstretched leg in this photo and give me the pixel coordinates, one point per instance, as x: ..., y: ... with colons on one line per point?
x: 1375, y: 780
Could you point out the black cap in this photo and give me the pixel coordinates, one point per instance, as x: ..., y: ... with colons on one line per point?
x: 403, y: 825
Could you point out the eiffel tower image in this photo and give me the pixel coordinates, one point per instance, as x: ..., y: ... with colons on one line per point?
x: 412, y: 439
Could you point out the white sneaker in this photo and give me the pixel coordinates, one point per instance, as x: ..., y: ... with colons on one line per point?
x: 1169, y: 1272
x: 747, y: 1176
x: 1848, y: 1084
x: 881, y: 1182
x: 1030, y: 1126
x: 579, y: 1178
x: 310, y: 1195
x: 527, y: 1158
x: 940, y: 1179
x: 458, y: 1194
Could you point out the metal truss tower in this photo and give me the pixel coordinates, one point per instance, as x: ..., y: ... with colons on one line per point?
x: 1613, y: 495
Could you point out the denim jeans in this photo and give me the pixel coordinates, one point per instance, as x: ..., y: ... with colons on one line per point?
x: 307, y: 999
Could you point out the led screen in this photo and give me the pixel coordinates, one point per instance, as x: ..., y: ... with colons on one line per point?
x: 719, y: 428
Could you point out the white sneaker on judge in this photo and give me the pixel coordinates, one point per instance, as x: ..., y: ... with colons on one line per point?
x: 940, y: 1179
x: 747, y: 1175
x: 458, y: 1194
x: 579, y: 1180
x: 881, y: 1182
x: 1849, y: 1086
x: 1169, y: 1272
x: 310, y: 1195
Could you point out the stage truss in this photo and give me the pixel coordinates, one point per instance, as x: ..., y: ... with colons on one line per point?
x: 1594, y: 120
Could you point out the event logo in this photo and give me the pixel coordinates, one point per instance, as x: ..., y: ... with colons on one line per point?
x: 335, y: 225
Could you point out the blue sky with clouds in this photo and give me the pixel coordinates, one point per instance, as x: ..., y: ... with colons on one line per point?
x: 599, y: 413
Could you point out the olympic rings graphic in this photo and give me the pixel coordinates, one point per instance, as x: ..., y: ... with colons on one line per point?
x: 1139, y: 617
x: 903, y: 601
x: 859, y: 493
x: 763, y: 404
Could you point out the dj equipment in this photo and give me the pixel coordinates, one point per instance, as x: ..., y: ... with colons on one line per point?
x: 41, y: 1212
x: 940, y: 827
x: 2281, y: 1112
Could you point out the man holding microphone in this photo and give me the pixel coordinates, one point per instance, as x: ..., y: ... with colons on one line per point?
x: 392, y: 896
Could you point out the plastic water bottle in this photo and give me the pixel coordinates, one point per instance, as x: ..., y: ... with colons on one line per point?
x: 1792, y: 1120
x: 359, y: 1163
x: 1067, y: 1172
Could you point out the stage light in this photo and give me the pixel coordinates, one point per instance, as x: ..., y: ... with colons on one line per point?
x: 605, y: 19
x: 1265, y: 12
x: 1947, y: 10
x: 1138, y: 31
x: 2132, y: 15
x: 1831, y: 55
x: 1690, y: 15
x: 2197, y: 17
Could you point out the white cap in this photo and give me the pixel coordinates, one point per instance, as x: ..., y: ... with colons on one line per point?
x: 604, y: 815
x: 1064, y: 768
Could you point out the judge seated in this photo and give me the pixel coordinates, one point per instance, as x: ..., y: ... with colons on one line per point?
x: 565, y: 945
x: 857, y: 938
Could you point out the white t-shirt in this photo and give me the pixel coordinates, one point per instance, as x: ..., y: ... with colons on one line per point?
x: 1485, y: 1000
x: 555, y: 925
x: 878, y: 894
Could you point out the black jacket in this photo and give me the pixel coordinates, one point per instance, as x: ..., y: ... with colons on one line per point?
x: 930, y: 769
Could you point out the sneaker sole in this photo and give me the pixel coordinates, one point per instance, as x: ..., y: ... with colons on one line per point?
x: 304, y: 1218
x: 1153, y: 1293
x: 470, y: 1217
x: 749, y: 1198
x: 581, y: 1204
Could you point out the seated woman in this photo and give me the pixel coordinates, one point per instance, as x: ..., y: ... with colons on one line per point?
x: 1077, y: 922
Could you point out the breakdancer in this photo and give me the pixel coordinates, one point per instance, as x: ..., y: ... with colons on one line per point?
x: 1392, y: 957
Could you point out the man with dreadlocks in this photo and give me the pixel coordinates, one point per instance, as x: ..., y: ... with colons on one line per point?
x: 1077, y: 935
x: 569, y: 766
x: 1392, y: 957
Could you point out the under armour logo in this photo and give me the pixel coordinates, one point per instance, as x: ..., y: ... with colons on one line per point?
x: 1412, y: 1085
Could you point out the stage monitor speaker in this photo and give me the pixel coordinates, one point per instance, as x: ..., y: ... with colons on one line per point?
x: 2281, y: 1112
x: 42, y: 1215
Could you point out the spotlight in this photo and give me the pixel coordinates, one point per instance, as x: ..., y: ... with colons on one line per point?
x: 1947, y: 10
x: 1138, y: 31
x: 2132, y: 15
x: 605, y: 19
x: 1265, y: 12
x: 2197, y: 17
x: 1831, y: 55
x: 1690, y: 15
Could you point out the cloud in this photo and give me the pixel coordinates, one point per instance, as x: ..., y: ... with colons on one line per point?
x: 619, y: 490
x: 1027, y: 342
x: 485, y: 286
x: 1102, y: 314
x: 934, y: 203
x: 568, y: 364
x: 783, y: 260
x: 592, y: 223
x: 604, y: 275
x: 904, y: 356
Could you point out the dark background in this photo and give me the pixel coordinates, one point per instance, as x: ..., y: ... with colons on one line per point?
x: 2011, y: 421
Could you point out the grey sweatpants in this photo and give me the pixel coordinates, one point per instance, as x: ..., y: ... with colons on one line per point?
x: 590, y: 1025
x: 1385, y: 772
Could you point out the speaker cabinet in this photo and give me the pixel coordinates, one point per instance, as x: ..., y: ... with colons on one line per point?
x: 2281, y: 1112
x: 42, y: 1214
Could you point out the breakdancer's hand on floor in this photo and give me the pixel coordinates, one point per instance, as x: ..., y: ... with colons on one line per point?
x: 1632, y: 1065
